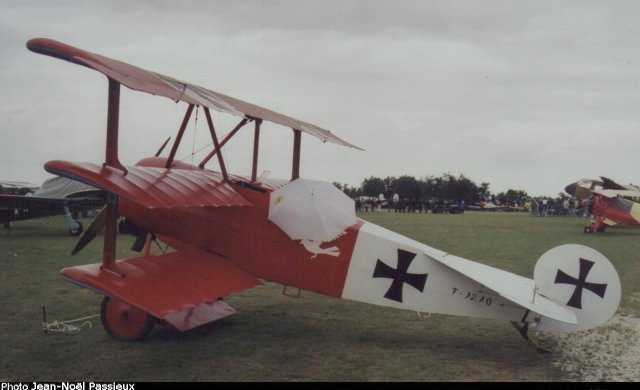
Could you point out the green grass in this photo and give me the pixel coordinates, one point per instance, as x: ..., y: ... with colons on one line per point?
x: 274, y: 337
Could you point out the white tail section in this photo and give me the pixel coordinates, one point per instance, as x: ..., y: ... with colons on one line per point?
x: 583, y: 280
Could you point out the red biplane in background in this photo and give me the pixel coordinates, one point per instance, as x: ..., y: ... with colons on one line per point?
x: 608, y: 202
x: 231, y: 232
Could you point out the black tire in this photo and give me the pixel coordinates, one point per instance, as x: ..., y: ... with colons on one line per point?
x: 76, y: 231
x: 588, y: 230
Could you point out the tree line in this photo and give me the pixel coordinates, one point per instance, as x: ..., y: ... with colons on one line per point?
x: 445, y: 187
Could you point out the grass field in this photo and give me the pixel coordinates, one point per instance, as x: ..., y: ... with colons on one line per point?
x: 274, y: 337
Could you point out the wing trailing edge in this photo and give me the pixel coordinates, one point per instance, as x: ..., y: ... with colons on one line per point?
x: 157, y: 84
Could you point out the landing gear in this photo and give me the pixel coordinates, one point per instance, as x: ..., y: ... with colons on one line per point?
x: 523, y: 329
x: 597, y: 225
x: 123, y: 321
x: 75, y: 228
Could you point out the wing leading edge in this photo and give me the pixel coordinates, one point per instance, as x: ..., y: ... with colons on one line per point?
x: 153, y: 187
x: 157, y: 84
x: 180, y: 287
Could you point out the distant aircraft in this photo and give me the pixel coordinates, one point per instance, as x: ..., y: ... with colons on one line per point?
x: 56, y: 196
x: 8, y: 187
x: 610, y: 203
x: 232, y: 232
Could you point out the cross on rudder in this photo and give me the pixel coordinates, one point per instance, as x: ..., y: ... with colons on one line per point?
x: 581, y: 283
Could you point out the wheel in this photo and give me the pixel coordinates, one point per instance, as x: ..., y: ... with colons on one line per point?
x: 76, y: 228
x: 587, y: 229
x: 123, y: 321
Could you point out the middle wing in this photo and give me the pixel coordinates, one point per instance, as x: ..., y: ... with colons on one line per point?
x: 153, y: 187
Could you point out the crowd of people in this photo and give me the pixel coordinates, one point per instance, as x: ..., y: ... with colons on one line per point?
x: 560, y: 206
x: 365, y: 204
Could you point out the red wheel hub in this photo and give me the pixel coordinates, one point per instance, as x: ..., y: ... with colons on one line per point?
x: 123, y: 321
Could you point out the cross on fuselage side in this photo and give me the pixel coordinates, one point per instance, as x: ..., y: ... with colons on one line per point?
x: 581, y: 283
x: 400, y: 275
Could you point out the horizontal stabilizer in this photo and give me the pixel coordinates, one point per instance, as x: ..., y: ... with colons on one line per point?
x: 515, y: 288
x: 153, y: 187
x: 179, y: 287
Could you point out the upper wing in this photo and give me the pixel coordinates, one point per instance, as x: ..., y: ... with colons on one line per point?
x: 517, y: 289
x: 609, y: 184
x: 616, y: 193
x: 154, y: 187
x: 157, y: 84
x: 180, y: 287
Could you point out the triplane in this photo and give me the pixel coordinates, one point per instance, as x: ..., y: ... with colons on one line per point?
x: 229, y: 233
x: 609, y: 203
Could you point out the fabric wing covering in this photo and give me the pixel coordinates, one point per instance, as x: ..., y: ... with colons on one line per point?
x: 155, y: 187
x: 179, y: 287
x: 157, y: 84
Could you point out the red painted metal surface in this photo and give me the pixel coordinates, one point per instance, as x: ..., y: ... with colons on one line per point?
x: 157, y: 84
x: 155, y: 187
x: 166, y: 284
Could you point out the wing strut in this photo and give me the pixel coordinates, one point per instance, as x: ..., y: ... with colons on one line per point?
x: 222, y: 143
x: 297, y: 140
x: 176, y: 143
x: 110, y: 236
x: 216, y: 145
x: 256, y: 145
x: 113, y: 113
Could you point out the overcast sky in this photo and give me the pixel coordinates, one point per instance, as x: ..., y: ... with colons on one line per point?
x: 527, y: 95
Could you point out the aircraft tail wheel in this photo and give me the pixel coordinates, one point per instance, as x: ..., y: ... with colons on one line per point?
x: 587, y: 229
x: 76, y: 228
x: 123, y: 321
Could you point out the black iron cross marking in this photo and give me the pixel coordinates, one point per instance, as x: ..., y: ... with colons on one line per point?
x: 581, y: 283
x: 400, y: 275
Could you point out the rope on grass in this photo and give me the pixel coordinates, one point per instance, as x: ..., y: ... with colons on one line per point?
x: 66, y: 327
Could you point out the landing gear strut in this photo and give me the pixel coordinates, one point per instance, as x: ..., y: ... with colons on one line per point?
x: 523, y: 329
x: 125, y: 322
x: 596, y: 225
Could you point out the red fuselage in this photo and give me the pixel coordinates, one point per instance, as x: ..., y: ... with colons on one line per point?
x: 618, y: 210
x: 245, y: 236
